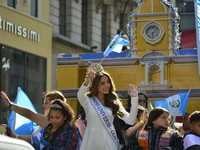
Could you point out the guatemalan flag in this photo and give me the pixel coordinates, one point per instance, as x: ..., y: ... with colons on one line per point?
x: 176, y: 104
x: 116, y: 44
x: 19, y: 124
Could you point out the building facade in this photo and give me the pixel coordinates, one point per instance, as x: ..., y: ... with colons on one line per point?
x: 156, y: 63
x: 34, y: 32
x: 86, y: 26
x: 25, y: 50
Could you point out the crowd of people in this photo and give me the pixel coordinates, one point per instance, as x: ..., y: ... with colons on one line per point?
x: 104, y: 123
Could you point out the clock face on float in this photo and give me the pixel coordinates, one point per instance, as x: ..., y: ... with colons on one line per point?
x: 152, y: 32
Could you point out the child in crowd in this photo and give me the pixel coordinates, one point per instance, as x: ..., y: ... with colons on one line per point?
x: 139, y: 123
x: 192, y: 137
x: 59, y: 134
x: 156, y: 134
x: 186, y: 122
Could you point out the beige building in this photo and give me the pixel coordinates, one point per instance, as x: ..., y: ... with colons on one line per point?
x: 26, y: 50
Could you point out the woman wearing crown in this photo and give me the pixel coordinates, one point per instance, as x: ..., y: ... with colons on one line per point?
x: 101, y: 104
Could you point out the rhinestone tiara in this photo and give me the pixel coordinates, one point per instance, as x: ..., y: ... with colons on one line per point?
x: 95, y: 67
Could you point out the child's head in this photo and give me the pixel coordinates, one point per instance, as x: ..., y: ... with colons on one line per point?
x: 195, y: 122
x: 60, y: 109
x: 158, y: 117
x: 186, y: 122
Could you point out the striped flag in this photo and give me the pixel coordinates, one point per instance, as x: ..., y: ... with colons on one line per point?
x: 19, y: 124
x: 116, y: 45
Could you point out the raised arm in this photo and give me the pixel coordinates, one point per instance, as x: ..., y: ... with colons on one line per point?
x: 79, y: 123
x: 39, y: 119
x: 130, y: 118
x: 137, y: 126
x: 82, y: 98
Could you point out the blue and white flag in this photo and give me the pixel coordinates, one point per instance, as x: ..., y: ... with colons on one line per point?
x: 19, y: 124
x: 116, y: 44
x: 176, y: 104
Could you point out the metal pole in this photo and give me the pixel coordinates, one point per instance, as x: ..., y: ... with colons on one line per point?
x: 197, y: 21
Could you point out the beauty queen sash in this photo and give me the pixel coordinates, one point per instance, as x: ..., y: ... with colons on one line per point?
x: 106, y: 120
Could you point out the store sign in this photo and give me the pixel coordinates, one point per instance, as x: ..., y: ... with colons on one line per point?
x: 19, y: 30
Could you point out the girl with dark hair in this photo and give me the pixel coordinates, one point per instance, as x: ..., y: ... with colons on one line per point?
x: 156, y: 134
x: 101, y: 105
x: 39, y: 119
x: 59, y: 134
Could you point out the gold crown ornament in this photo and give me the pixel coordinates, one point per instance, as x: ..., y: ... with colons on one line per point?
x: 95, y: 67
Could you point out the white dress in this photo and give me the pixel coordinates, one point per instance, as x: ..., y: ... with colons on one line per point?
x: 96, y: 136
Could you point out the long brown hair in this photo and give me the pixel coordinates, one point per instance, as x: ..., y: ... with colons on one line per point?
x: 111, y: 97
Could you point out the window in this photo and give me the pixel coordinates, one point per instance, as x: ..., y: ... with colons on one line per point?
x: 84, y: 21
x: 62, y: 17
x: 11, y: 3
x: 187, y: 15
x: 34, y: 8
x: 103, y: 25
x: 185, y: 6
x: 20, y: 69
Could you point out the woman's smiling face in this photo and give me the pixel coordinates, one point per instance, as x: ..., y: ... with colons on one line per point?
x: 104, y: 85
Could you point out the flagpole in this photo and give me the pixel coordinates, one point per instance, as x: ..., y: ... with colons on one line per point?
x: 14, y: 121
x: 197, y: 14
x: 102, y: 59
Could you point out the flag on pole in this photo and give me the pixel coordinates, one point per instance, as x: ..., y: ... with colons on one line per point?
x: 176, y: 104
x: 197, y: 20
x: 116, y: 44
x: 19, y: 124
